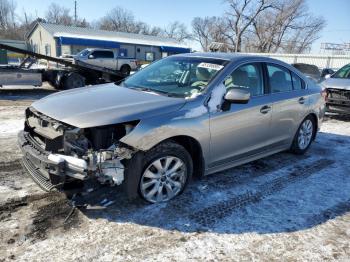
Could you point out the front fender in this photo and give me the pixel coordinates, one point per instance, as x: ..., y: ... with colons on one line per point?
x: 152, y: 131
x: 146, y: 135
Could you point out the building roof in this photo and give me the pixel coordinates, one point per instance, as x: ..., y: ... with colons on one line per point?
x: 88, y: 33
x: 14, y: 43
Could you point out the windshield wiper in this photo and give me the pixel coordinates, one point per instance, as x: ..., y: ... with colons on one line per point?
x: 161, y: 92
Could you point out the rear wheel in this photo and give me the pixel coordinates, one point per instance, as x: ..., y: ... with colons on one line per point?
x: 166, y: 171
x: 73, y: 80
x: 125, y: 70
x: 304, y: 136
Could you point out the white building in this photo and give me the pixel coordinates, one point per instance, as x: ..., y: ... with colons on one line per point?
x: 58, y: 40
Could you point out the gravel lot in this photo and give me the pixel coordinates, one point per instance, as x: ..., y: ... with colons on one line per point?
x: 283, y: 207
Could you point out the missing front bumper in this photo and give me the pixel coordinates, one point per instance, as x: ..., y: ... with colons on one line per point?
x: 52, y: 171
x: 46, y: 173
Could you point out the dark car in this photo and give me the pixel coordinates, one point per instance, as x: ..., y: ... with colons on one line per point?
x: 310, y: 71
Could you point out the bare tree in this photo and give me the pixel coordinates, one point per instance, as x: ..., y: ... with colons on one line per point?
x: 81, y: 22
x: 207, y: 30
x: 240, y: 16
x: 201, y: 31
x: 154, y: 30
x: 10, y: 26
x: 260, y: 26
x: 14, y: 26
x: 118, y: 19
x: 178, y: 31
x: 24, y: 24
x: 27, y: 19
x: 7, y: 16
x: 301, y: 40
x: 287, y: 27
x: 122, y: 20
x: 145, y: 29
x: 57, y: 14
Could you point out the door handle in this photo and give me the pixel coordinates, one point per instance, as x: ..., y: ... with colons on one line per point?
x: 265, y: 109
x: 301, y: 100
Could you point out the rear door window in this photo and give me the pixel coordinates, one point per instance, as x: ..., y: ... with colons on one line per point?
x: 298, y: 84
x: 279, y: 78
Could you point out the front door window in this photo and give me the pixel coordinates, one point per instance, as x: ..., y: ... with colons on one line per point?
x: 249, y: 77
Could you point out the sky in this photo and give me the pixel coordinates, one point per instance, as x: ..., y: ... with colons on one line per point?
x: 162, y: 12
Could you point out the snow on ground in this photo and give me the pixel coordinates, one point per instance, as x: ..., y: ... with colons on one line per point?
x: 10, y: 127
x: 12, y: 120
x: 283, y: 207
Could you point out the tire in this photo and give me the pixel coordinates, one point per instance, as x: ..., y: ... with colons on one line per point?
x: 304, y: 136
x: 166, y: 170
x: 73, y: 80
x: 125, y: 70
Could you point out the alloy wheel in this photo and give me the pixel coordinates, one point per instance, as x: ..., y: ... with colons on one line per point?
x: 163, y: 179
x: 305, y: 134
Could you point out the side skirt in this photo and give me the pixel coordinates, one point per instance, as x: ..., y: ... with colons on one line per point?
x: 240, y: 160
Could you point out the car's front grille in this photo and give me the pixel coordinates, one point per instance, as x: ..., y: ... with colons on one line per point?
x: 47, y: 132
x: 338, y: 94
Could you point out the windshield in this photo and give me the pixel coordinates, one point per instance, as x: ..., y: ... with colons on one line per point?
x: 83, y: 53
x: 343, y: 72
x: 176, y: 76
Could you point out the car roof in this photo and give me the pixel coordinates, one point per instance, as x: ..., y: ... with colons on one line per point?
x: 240, y: 57
x: 230, y: 56
x: 215, y: 55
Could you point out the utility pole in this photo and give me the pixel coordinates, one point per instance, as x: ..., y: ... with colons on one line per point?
x: 75, y: 12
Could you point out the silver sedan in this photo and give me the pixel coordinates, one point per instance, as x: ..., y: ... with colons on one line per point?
x: 185, y: 115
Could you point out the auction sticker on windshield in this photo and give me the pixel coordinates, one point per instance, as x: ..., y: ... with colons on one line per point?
x: 211, y: 66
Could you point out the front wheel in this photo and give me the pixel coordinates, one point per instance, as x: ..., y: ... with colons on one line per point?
x: 304, y: 136
x: 167, y: 169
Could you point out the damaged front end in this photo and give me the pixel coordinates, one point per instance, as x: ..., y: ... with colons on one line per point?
x: 56, y: 153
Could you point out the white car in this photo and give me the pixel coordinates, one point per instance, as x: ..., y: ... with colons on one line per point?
x: 108, y: 59
x: 337, y: 87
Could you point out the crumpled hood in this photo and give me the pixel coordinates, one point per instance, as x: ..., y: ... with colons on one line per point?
x: 338, y: 83
x: 105, y: 105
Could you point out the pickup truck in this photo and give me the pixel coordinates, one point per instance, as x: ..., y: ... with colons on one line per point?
x: 106, y: 58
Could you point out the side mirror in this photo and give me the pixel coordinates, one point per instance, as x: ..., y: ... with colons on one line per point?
x: 238, y: 96
x: 91, y: 57
x: 327, y: 76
